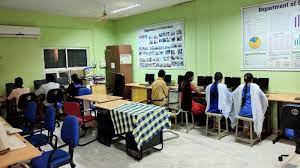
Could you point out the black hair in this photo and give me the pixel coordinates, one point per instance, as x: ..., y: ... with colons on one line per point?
x: 19, y: 82
x: 218, y: 76
x: 161, y: 73
x: 75, y: 79
x: 248, y: 78
x: 214, y: 88
x: 50, y: 78
x: 188, y: 75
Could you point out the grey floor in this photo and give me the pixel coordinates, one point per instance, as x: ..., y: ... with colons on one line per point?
x: 192, y: 150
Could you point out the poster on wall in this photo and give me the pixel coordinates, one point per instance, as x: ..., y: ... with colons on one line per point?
x: 161, y: 46
x: 271, y: 36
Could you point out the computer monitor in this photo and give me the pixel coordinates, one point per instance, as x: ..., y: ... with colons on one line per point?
x: 39, y: 83
x: 255, y: 80
x: 235, y: 82
x: 9, y: 88
x: 263, y: 83
x: 149, y: 78
x: 63, y: 81
x: 228, y: 81
x: 201, y: 81
x: 168, y: 79
x: 208, y: 80
x: 180, y: 79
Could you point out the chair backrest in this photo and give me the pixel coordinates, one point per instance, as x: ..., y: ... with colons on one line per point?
x: 72, y: 108
x: 54, y: 96
x: 119, y: 85
x: 49, y: 120
x: 84, y: 91
x: 70, y: 131
x: 24, y: 99
x: 290, y: 117
x: 30, y: 112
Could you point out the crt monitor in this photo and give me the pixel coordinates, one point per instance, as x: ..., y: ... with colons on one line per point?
x: 180, y: 79
x: 149, y: 78
x: 263, y: 83
x: 168, y: 79
x: 9, y: 88
x: 201, y: 81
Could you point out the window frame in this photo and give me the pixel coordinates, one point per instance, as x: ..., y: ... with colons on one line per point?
x: 67, y: 69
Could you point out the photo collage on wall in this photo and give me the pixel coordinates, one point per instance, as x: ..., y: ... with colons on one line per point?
x: 161, y: 46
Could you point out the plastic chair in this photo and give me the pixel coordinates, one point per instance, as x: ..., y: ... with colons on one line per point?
x: 41, y: 139
x: 73, y: 108
x: 59, y: 157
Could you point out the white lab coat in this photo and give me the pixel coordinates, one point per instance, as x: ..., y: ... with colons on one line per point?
x: 225, y: 99
x: 259, y: 105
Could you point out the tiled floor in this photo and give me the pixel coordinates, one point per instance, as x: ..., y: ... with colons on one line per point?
x: 193, y: 150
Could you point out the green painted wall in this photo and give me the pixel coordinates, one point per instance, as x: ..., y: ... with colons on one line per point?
x: 24, y: 57
x: 212, y: 39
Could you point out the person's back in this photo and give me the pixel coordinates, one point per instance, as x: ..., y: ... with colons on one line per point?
x: 159, y: 90
x: 44, y: 89
x: 17, y: 92
x: 73, y: 87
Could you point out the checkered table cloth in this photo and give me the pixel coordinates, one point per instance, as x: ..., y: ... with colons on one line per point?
x: 143, y: 120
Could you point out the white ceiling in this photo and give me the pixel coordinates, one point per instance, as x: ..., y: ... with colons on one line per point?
x: 88, y: 8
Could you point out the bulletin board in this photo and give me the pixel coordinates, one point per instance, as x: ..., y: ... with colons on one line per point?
x: 161, y: 46
x: 271, y: 36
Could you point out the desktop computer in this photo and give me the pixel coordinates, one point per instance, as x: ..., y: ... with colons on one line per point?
x: 38, y: 83
x: 168, y: 79
x: 204, y: 81
x: 180, y: 79
x: 232, y: 82
x: 263, y: 83
x: 149, y: 78
x: 9, y: 87
x: 63, y: 81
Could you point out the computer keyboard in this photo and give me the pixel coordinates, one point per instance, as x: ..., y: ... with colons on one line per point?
x: 15, y: 143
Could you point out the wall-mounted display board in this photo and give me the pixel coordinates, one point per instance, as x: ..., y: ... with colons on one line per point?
x: 161, y: 46
x: 271, y: 36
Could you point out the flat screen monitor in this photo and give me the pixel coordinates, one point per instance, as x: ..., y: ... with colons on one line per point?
x: 149, y: 78
x: 255, y: 80
x: 63, y: 81
x: 263, y: 83
x: 235, y: 83
x: 208, y: 80
x: 180, y: 79
x: 201, y: 81
x: 38, y: 83
x: 168, y: 79
x: 9, y: 87
x: 228, y: 81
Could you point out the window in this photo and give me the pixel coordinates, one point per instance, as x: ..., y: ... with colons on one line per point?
x: 61, y: 61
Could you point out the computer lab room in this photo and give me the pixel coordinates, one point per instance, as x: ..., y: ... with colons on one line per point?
x: 150, y: 83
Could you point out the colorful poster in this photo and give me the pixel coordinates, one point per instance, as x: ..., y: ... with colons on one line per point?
x: 161, y: 46
x: 271, y: 36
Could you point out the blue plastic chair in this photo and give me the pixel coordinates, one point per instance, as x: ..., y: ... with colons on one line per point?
x: 41, y: 139
x: 29, y: 118
x: 58, y: 157
x: 82, y: 92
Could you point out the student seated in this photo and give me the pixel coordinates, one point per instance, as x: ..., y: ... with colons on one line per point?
x: 186, y: 89
x: 43, y: 90
x: 18, y: 91
x: 160, y: 90
x: 73, y: 87
x: 250, y: 101
x: 218, y: 97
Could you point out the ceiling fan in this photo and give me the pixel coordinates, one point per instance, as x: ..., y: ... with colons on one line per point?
x: 103, y: 16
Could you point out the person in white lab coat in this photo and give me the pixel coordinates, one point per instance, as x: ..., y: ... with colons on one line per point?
x: 250, y: 101
x: 218, y: 97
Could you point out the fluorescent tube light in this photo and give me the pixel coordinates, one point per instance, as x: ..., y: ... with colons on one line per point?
x: 126, y: 8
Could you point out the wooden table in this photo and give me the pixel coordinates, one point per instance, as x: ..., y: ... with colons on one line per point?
x: 139, y: 93
x: 112, y: 105
x: 19, y: 155
x: 281, y: 98
x: 98, y: 98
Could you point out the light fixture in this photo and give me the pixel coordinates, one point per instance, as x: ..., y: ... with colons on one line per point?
x: 126, y: 8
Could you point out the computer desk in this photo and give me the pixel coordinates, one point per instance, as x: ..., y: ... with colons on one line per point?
x: 280, y: 99
x: 112, y: 104
x: 19, y: 155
